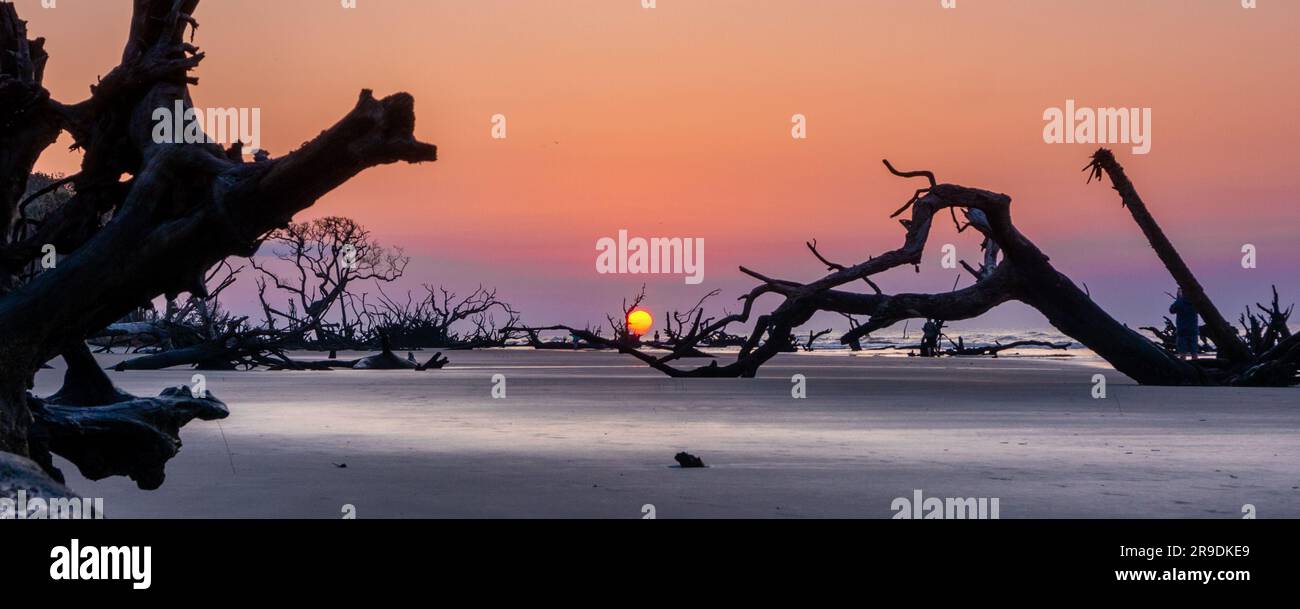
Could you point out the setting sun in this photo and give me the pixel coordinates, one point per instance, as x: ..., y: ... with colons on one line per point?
x: 639, y: 322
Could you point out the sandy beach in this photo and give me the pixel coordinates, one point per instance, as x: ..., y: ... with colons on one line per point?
x: 584, y: 434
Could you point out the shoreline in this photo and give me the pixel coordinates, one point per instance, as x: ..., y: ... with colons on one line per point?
x: 592, y: 434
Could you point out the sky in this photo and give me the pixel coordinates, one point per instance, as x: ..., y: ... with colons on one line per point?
x: 676, y: 121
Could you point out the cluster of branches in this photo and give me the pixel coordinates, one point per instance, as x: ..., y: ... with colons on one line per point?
x: 1013, y: 268
x: 691, y: 329
x: 141, y: 218
x: 182, y: 323
x: 320, y: 268
x: 618, y: 326
x: 440, y: 318
x: 932, y: 337
x: 43, y: 196
x: 1264, y: 328
x: 1267, y: 330
x: 683, y: 335
x: 320, y: 263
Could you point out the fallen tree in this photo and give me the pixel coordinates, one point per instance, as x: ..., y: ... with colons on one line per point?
x: 996, y: 348
x: 1014, y: 268
x: 146, y: 218
x: 196, y: 321
x: 959, y: 348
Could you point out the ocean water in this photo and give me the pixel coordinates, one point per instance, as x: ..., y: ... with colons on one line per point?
x: 593, y: 434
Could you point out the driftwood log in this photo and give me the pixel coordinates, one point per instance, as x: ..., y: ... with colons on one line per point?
x: 997, y: 348
x: 1014, y: 268
x: 148, y: 218
x: 105, y: 431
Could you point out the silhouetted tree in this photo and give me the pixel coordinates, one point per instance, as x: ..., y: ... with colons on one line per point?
x: 144, y: 218
x: 322, y: 264
x: 1014, y: 268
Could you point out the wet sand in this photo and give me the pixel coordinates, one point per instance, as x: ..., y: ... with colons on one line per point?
x: 594, y: 434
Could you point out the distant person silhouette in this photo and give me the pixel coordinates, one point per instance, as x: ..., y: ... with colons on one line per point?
x: 930, y: 334
x: 1186, y: 325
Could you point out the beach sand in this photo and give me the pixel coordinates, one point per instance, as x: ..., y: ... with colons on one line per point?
x: 594, y: 434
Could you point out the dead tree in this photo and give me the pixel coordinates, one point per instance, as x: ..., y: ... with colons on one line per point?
x: 328, y: 257
x: 1268, y: 329
x: 44, y: 196
x: 1166, y: 337
x: 147, y: 218
x: 204, y: 315
x: 589, y: 338
x: 321, y: 261
x: 192, y: 322
x: 996, y: 348
x: 687, y: 332
x: 683, y: 330
x: 812, y: 338
x: 432, y: 321
x: 1216, y: 328
x: 619, y: 324
x: 1014, y: 269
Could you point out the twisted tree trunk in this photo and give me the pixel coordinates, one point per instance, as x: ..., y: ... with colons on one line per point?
x: 1230, y: 346
x: 1024, y: 273
x: 184, y: 208
x: 29, y: 122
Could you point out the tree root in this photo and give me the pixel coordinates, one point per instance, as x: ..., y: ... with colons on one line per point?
x: 133, y: 438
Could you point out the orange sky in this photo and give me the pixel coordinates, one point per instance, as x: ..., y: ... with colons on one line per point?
x: 675, y: 121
